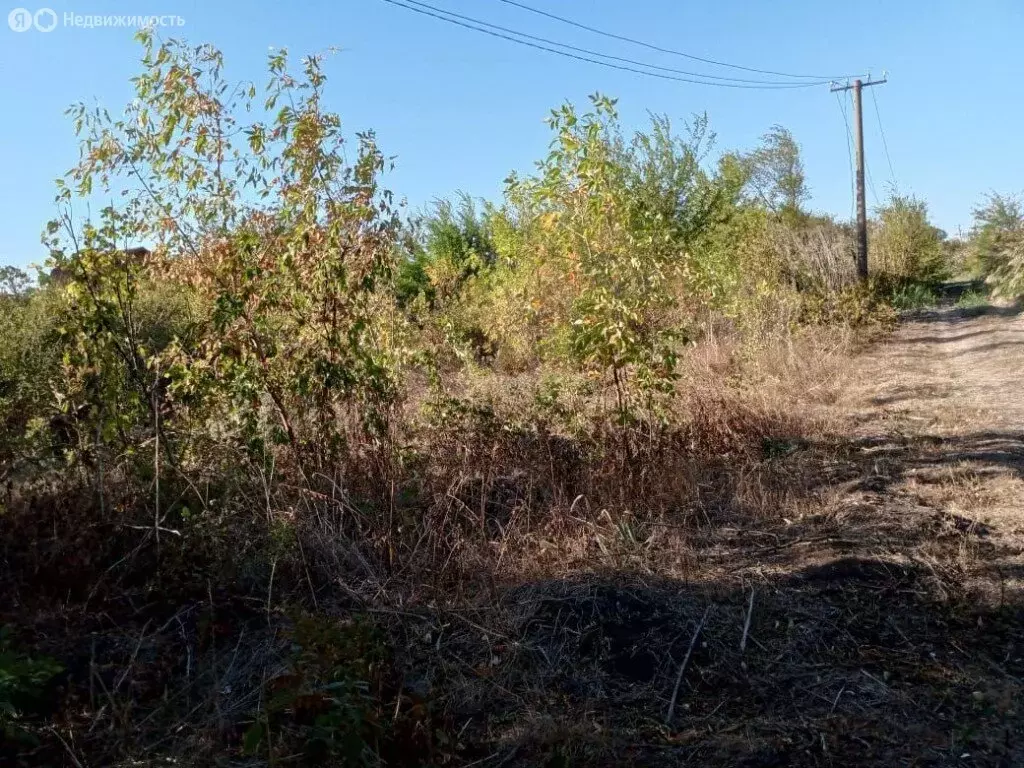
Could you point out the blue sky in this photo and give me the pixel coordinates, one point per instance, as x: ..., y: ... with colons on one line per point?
x: 460, y: 110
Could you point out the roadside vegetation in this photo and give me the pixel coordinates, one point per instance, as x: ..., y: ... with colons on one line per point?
x: 996, y: 249
x: 310, y: 479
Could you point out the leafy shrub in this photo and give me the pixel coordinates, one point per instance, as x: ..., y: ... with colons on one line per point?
x: 324, y: 704
x: 294, y: 342
x: 591, y: 254
x: 22, y: 679
x: 775, y: 175
x: 451, y: 249
x: 862, y: 305
x: 1008, y: 277
x: 30, y: 361
x: 909, y: 296
x: 997, y: 224
x: 996, y: 244
x: 906, y: 247
x: 972, y: 299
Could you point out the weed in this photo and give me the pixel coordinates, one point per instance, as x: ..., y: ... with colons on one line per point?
x: 23, y: 679
x: 973, y: 299
x: 913, y: 296
x: 324, y: 702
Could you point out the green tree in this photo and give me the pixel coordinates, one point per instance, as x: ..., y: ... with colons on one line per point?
x: 443, y: 248
x: 457, y: 244
x: 284, y: 244
x: 776, y: 175
x: 996, y: 235
x: 905, y: 245
x: 594, y: 247
x: 14, y: 282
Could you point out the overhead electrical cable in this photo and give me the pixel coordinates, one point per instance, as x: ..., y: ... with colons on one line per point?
x: 867, y: 168
x: 591, y: 52
x: 849, y: 153
x: 439, y: 14
x: 661, y: 49
x: 885, y: 144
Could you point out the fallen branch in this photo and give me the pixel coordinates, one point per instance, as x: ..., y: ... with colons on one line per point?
x: 682, y: 667
x: 67, y: 747
x: 746, y: 624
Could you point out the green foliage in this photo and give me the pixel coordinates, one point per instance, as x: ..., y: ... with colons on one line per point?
x: 451, y: 249
x: 775, y: 174
x: 30, y: 364
x: 458, y: 244
x: 728, y: 259
x: 860, y: 305
x: 972, y: 299
x: 905, y: 246
x: 997, y: 243
x: 282, y: 246
x: 997, y: 222
x: 591, y: 252
x: 324, y: 703
x: 412, y: 282
x: 291, y: 286
x: 1008, y: 277
x: 959, y: 258
x: 910, y: 296
x: 22, y: 679
x: 279, y: 304
x: 14, y: 283
x: 108, y: 380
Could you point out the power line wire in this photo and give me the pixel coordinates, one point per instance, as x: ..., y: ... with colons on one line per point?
x: 871, y: 184
x: 654, y: 47
x: 867, y: 166
x: 885, y: 144
x: 590, y: 52
x: 849, y: 154
x: 773, y: 86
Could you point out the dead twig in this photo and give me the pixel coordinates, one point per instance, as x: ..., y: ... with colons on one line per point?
x: 67, y: 747
x: 682, y: 667
x: 131, y: 662
x: 746, y: 624
x: 835, y: 702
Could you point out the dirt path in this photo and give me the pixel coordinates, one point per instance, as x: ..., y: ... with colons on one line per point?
x: 939, y: 409
x: 889, y: 617
x: 950, y: 371
x: 938, y: 438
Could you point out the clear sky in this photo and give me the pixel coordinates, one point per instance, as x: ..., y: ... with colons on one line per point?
x: 459, y: 110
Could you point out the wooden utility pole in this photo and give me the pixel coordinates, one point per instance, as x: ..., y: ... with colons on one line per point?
x: 858, y: 141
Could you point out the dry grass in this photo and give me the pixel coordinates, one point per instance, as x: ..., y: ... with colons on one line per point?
x: 848, y: 533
